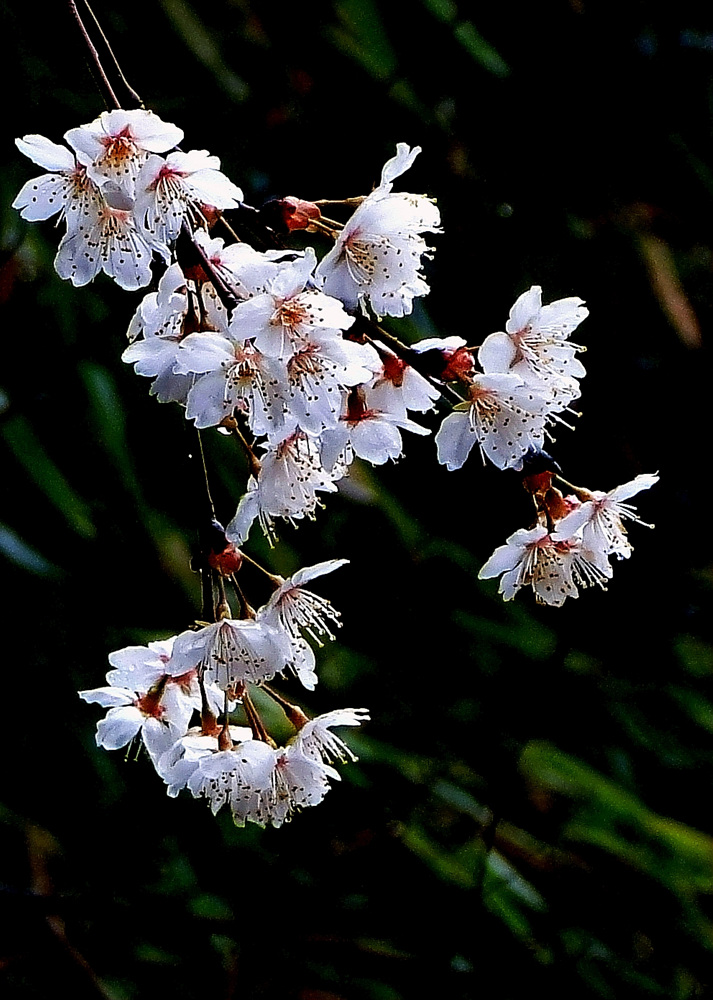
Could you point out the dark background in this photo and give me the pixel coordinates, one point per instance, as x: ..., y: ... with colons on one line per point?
x: 532, y: 805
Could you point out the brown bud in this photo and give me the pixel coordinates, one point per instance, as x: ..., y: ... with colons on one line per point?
x: 289, y: 214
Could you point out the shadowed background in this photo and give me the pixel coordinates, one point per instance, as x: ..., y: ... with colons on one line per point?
x: 532, y: 805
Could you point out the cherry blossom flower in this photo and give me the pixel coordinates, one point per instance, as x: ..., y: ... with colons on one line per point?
x: 235, y: 376
x: 258, y: 783
x: 173, y: 189
x: 553, y: 565
x: 233, y: 777
x: 291, y: 476
x: 176, y: 765
x: 119, y: 142
x: 365, y: 432
x: 504, y: 416
x: 289, y: 316
x: 377, y: 256
x: 144, y: 696
x: 397, y: 387
x: 535, y: 348
x: 105, y: 239
x: 315, y: 739
x: 599, y: 520
x: 246, y: 271
x: 293, y: 782
x: 66, y: 190
x: 294, y: 608
x: 233, y: 651
x: 159, y: 325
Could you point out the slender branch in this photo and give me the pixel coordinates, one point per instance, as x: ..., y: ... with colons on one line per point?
x: 205, y: 474
x: 223, y: 289
x: 277, y: 580
x: 255, y: 722
x: 108, y: 91
x: 253, y: 460
x: 293, y: 712
x: 129, y: 89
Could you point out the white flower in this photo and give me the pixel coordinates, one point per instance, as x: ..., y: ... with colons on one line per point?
x: 233, y: 651
x: 365, y: 432
x: 161, y: 321
x: 294, y: 608
x: 377, y: 256
x: 178, y: 763
x: 318, y: 377
x: 172, y: 189
x: 504, y: 416
x: 66, y: 190
x: 599, y: 520
x: 118, y: 143
x: 104, y: 239
x: 234, y: 376
x: 289, y: 316
x: 398, y: 388
x: 291, y: 476
x: 535, y: 347
x: 246, y: 271
x: 552, y: 565
x: 145, y: 697
x: 260, y: 784
x: 293, y: 782
x: 232, y: 777
x: 316, y: 741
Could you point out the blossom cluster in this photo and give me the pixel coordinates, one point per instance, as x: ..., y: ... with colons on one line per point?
x: 280, y: 347
x: 572, y: 544
x: 155, y: 692
x: 119, y: 200
x: 285, y: 351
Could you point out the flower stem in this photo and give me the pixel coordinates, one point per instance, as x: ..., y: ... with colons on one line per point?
x: 104, y: 84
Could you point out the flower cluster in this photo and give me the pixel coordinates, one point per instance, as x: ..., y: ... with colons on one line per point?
x: 572, y: 544
x: 155, y: 692
x: 529, y: 378
x: 284, y: 351
x: 119, y: 199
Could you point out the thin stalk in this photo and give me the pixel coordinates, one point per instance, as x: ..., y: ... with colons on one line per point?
x: 104, y: 80
x: 129, y: 89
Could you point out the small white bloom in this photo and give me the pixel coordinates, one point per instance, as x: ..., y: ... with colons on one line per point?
x: 246, y: 271
x: 144, y: 696
x: 377, y: 256
x: 234, y: 376
x: 177, y: 764
x: 233, y: 651
x: 294, y: 608
x: 294, y: 781
x: 398, y: 388
x: 291, y: 476
x: 367, y: 433
x: 599, y: 520
x: 535, y: 347
x: 316, y: 741
x: 104, y: 239
x: 173, y: 189
x: 553, y: 566
x: 159, y: 325
x: 119, y: 142
x: 504, y: 416
x: 66, y: 190
x: 290, y: 315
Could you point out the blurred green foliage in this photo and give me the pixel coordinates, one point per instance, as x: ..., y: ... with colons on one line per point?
x: 531, y: 810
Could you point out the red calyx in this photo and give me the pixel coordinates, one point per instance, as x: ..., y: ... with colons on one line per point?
x: 289, y: 214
